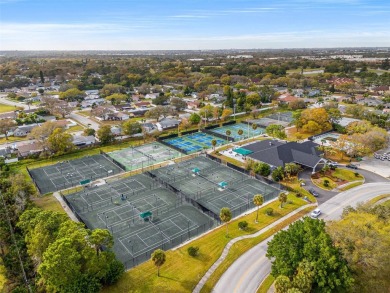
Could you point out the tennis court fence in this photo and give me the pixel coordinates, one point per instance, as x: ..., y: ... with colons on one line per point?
x: 123, y: 167
x: 219, y: 135
x: 32, y: 178
x: 167, y: 244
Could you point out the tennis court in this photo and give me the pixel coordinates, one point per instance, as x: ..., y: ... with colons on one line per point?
x: 70, y: 173
x: 282, y: 116
x: 234, y: 128
x: 145, y: 155
x: 201, y: 180
x: 265, y: 122
x: 194, y: 142
x: 141, y: 214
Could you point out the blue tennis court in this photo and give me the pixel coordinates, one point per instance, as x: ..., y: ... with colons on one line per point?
x: 205, y: 139
x: 186, y: 145
x: 234, y: 128
x: 195, y: 142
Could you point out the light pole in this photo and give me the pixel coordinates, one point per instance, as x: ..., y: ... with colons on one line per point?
x: 234, y: 109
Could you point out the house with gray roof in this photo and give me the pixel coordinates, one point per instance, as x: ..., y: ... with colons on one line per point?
x: 277, y: 153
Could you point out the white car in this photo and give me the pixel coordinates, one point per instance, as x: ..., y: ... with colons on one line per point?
x: 316, y: 213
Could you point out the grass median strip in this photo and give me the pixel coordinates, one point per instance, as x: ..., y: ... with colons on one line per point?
x: 243, y: 246
x: 267, y: 283
x: 176, y: 275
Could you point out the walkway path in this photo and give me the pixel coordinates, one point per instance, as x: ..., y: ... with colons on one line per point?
x: 233, y: 241
x: 65, y: 206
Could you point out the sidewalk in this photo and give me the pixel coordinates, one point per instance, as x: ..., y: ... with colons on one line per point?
x: 65, y: 206
x: 225, y: 252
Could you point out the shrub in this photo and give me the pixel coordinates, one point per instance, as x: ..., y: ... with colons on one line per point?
x: 326, y: 183
x: 193, y: 251
x: 269, y: 211
x: 357, y: 174
x: 243, y: 225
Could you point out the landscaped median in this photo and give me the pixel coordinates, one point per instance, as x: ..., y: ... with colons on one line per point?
x: 337, y: 179
x: 181, y: 272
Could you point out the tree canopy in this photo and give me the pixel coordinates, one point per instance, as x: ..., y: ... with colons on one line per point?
x: 307, y: 240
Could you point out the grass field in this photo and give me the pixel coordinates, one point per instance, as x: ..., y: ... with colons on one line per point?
x: 352, y: 185
x: 75, y: 129
x: 12, y: 139
x: 267, y: 283
x: 378, y: 198
x: 7, y: 108
x: 48, y: 202
x: 175, y: 275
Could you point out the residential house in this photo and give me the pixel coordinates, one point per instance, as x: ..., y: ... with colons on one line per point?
x: 381, y: 89
x: 192, y: 105
x: 80, y: 141
x: 149, y: 127
x: 23, y: 130
x: 313, y: 93
x: 28, y: 149
x: 142, y: 104
x: 117, y: 116
x: 151, y: 96
x: 287, y: 98
x: 116, y: 130
x: 167, y: 123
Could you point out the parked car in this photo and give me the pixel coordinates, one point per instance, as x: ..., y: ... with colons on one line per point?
x: 352, y: 166
x: 314, y: 193
x: 316, y: 213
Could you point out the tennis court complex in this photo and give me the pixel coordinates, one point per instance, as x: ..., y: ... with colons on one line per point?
x: 194, y: 142
x: 70, y: 173
x: 214, y: 186
x: 141, y: 214
x: 248, y: 132
x: 142, y: 156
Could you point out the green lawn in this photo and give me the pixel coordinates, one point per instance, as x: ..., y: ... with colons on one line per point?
x: 267, y: 283
x: 48, y: 202
x: 7, y: 108
x: 378, y: 198
x: 339, y: 174
x: 12, y: 139
x: 75, y: 129
x: 352, y: 185
x: 176, y: 275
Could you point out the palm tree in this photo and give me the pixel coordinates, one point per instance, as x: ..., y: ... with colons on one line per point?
x: 214, y: 143
x: 225, y: 215
x: 258, y: 200
x: 240, y: 132
x: 228, y: 132
x: 158, y: 258
x: 254, y: 127
x: 282, y: 198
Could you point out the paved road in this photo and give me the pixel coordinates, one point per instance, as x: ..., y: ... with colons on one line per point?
x: 84, y: 120
x: 5, y: 101
x: 247, y: 272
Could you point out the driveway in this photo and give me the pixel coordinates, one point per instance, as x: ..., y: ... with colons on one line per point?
x: 325, y: 195
x: 84, y: 120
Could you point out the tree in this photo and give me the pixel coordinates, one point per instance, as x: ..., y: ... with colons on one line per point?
x: 291, y: 169
x: 334, y: 115
x: 363, y: 238
x: 158, y: 258
x: 184, y: 124
x: 110, y: 89
x: 117, y: 98
x: 40, y: 134
x: 262, y: 168
x: 41, y: 76
x: 60, y: 142
x: 277, y: 174
x: 194, y: 118
x: 276, y: 131
x: 228, y: 133
x: 89, y: 131
x: 206, y: 112
x: 159, y: 111
x: 255, y: 112
x: 178, y: 103
x: 240, y: 132
x: 130, y: 127
x: 6, y: 125
x: 72, y: 95
x: 101, y: 238
x: 282, y: 284
x: 105, y: 135
x: 313, y: 120
x: 214, y: 143
x: 258, y: 200
x: 225, y: 215
x: 282, y: 198
x: 307, y: 240
x: 193, y: 251
x: 226, y: 113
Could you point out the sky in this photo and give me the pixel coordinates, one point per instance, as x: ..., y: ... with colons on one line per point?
x: 192, y: 24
